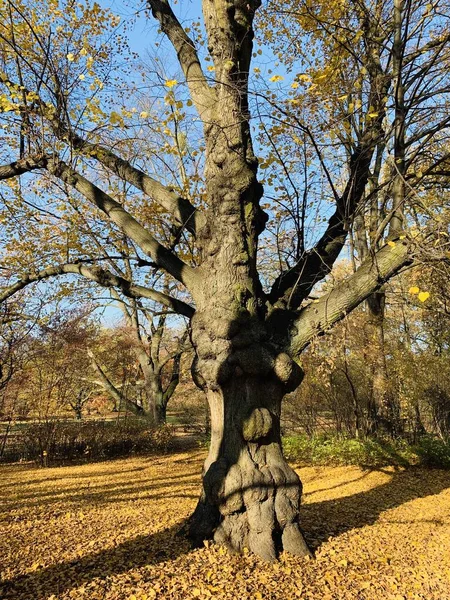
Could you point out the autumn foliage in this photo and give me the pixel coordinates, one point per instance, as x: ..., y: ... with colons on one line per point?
x: 109, y: 531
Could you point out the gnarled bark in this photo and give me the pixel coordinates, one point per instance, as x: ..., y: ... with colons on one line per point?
x: 251, y: 496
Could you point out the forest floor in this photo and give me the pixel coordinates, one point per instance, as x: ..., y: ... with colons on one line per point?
x: 108, y: 531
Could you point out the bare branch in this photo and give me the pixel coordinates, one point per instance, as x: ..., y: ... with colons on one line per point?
x: 295, y: 285
x: 202, y: 95
x: 104, y: 278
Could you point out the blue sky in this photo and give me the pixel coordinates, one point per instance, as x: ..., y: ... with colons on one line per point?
x: 140, y: 34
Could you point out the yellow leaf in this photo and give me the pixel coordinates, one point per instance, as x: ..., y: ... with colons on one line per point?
x: 275, y: 78
x: 170, y: 83
x: 414, y: 290
x: 196, y: 592
x: 143, y: 114
x: 70, y: 57
x: 391, y: 244
x: 423, y: 296
x: 294, y: 85
x: 211, y: 68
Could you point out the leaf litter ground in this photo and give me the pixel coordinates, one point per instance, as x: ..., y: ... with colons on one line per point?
x: 109, y: 531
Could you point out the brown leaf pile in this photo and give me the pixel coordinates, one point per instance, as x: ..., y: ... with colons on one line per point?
x: 108, y: 531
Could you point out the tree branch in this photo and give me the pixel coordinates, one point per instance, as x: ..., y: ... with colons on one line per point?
x: 182, y: 210
x: 103, y: 278
x: 201, y: 93
x: 21, y: 166
x: 295, y: 285
x: 320, y: 315
x: 163, y: 257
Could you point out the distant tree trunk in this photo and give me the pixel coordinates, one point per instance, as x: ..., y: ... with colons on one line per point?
x: 385, y: 413
x: 155, y: 405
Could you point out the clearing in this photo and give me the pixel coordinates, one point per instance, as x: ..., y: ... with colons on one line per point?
x: 108, y: 531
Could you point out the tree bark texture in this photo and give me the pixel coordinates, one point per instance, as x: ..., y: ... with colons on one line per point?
x: 251, y: 497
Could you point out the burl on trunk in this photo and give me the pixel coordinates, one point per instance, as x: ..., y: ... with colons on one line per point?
x: 251, y: 496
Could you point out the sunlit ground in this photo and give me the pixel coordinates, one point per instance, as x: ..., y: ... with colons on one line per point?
x: 108, y: 531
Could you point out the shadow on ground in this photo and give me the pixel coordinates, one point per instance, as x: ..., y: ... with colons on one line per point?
x: 320, y: 521
x: 330, y: 518
x: 135, y: 553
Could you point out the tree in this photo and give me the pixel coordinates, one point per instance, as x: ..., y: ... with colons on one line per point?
x: 158, y: 362
x: 247, y: 333
x: 398, y: 47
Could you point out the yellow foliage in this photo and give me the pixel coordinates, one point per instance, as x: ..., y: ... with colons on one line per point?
x: 126, y: 546
x: 423, y: 296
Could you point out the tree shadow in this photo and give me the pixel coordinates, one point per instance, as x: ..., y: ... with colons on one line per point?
x: 330, y: 518
x: 138, y: 552
x: 101, y: 493
x: 320, y: 521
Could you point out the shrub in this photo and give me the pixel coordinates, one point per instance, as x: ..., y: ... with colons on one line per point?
x: 433, y: 452
x: 335, y: 450
x: 61, y: 441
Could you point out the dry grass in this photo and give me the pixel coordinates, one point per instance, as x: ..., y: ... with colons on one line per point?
x: 108, y: 531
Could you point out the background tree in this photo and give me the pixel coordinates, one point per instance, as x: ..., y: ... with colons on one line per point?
x: 345, y: 54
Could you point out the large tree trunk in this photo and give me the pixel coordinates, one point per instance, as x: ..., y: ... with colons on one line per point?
x: 251, y: 496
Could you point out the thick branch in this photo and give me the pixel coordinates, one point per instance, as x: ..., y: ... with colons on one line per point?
x: 291, y: 288
x: 295, y: 285
x: 103, y: 278
x: 107, y: 384
x: 20, y: 167
x: 202, y: 95
x: 163, y: 257
x: 319, y: 316
x: 180, y: 208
